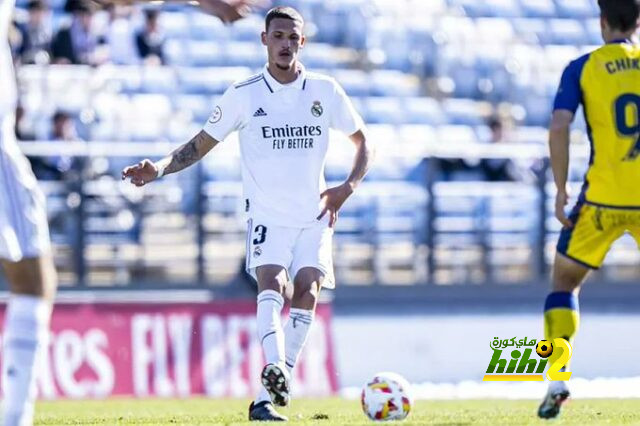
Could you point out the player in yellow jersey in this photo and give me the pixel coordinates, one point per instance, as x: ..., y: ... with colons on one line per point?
x: 607, y: 84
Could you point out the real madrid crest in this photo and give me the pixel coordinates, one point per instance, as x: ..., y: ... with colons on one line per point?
x: 216, y: 116
x: 316, y: 109
x: 257, y: 251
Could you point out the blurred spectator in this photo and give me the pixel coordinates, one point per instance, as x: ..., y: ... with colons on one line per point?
x: 15, y: 37
x: 78, y: 43
x: 21, y: 133
x: 57, y: 167
x: 450, y: 167
x: 498, y: 169
x: 36, y: 34
x: 150, y: 40
x: 63, y: 128
x: 120, y: 35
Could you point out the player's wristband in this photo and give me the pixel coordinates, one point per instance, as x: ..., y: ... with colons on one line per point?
x: 161, y: 168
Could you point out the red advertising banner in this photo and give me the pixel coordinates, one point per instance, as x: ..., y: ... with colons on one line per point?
x: 171, y: 350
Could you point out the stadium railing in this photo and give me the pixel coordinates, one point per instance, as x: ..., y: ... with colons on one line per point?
x: 186, y: 231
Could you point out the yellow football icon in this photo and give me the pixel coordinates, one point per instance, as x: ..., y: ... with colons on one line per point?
x: 544, y: 348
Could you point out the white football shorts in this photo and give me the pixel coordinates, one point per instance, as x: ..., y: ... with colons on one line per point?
x: 24, y: 232
x: 291, y: 248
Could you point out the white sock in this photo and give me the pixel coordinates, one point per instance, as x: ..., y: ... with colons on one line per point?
x: 269, y: 326
x: 26, y: 330
x: 263, y: 395
x: 270, y: 332
x: 296, y: 331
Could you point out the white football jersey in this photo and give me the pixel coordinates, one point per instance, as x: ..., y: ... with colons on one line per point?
x: 284, y: 136
x: 8, y: 94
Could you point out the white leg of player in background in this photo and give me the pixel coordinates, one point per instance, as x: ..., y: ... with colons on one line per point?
x: 28, y: 266
x: 26, y: 330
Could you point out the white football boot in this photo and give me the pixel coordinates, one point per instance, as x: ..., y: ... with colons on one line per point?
x: 557, y: 394
x: 275, y: 379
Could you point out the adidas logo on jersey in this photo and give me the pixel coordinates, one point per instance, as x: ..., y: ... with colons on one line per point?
x: 259, y: 113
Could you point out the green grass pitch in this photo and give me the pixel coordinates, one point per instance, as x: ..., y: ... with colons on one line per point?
x: 329, y: 412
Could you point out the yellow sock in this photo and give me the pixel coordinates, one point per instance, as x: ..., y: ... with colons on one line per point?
x: 561, y: 316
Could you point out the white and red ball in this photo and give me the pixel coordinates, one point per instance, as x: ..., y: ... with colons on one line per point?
x: 386, y: 397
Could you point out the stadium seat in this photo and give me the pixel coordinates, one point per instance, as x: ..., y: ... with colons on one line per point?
x: 567, y: 31
x: 423, y: 111
x: 423, y: 46
x: 530, y: 134
x: 320, y: 55
x: 504, y: 8
x: 196, y: 106
x: 384, y: 110
x: 465, y: 111
x: 245, y: 54
x: 456, y: 30
x: 471, y: 8
x: 207, y: 28
x: 205, y: 53
x: 175, y: 53
x: 465, y: 78
x: 538, y: 110
x: 210, y: 80
x: 331, y: 23
x: 110, y: 106
x: 575, y: 9
x: 106, y: 130
x: 360, y: 105
x: 158, y: 80
x: 538, y: 8
x: 496, y: 80
x: 456, y: 134
x: 393, y: 83
x: 181, y: 132
x: 387, y: 45
x: 354, y: 82
x: 557, y: 57
x: 416, y: 134
x: 175, y: 25
x: 145, y: 130
x: 492, y: 31
x: 533, y: 30
x: 248, y: 29
x: 594, y: 33
x: 156, y: 106
x: 413, y: 140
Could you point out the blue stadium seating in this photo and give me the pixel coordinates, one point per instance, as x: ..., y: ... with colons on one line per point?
x: 576, y: 8
x: 423, y: 111
x: 538, y: 8
x: 567, y: 31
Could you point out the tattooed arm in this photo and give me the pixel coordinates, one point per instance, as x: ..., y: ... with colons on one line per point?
x: 180, y: 158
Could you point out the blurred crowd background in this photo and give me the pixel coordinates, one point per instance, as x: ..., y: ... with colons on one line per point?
x: 456, y: 94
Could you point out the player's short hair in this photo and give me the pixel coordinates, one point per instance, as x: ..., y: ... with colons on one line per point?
x: 621, y: 15
x: 284, y: 12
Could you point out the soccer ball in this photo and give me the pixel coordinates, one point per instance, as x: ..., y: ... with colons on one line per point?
x: 544, y: 348
x: 386, y: 397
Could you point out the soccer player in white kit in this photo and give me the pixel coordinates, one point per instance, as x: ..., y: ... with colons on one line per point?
x: 283, y: 115
x: 25, y: 251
